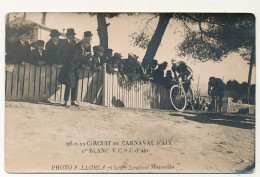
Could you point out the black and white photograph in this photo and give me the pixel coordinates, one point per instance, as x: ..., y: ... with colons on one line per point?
x: 130, y: 92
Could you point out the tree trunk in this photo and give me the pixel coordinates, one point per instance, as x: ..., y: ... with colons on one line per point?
x: 157, y: 37
x: 102, y: 30
x: 251, y: 64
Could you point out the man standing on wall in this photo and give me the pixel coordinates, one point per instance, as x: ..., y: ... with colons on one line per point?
x: 68, y: 74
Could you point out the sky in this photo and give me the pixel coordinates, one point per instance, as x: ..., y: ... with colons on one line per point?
x: 232, y: 67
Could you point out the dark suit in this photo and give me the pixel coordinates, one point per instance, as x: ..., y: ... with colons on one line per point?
x: 35, y: 57
x: 22, y: 52
x: 51, y: 53
x: 158, y: 76
x: 68, y: 74
x: 10, y: 57
x: 96, y: 63
x: 83, y: 57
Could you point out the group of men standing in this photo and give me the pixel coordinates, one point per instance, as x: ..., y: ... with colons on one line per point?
x: 70, y: 55
x: 64, y: 53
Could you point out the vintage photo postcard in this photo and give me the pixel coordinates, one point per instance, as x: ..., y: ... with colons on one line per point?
x: 129, y: 92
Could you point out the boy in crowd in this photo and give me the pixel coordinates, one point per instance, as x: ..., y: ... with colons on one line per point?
x: 38, y: 55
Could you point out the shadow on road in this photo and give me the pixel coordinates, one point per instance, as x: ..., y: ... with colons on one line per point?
x: 231, y: 120
x: 49, y: 103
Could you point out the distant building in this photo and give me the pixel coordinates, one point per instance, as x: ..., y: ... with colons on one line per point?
x: 40, y: 31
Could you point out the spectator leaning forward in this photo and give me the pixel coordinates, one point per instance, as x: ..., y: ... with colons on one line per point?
x: 83, y: 54
x: 158, y: 74
x: 114, y: 64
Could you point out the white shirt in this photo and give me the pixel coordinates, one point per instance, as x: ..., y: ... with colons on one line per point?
x: 83, y: 50
x: 40, y: 52
x: 23, y: 43
x: 56, y: 43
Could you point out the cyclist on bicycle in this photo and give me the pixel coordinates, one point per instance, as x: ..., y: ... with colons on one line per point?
x: 184, y: 72
x: 216, y: 88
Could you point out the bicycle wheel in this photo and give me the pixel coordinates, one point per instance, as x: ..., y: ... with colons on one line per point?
x: 190, y: 99
x: 178, y: 98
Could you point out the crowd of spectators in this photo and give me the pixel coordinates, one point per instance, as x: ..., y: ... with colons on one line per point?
x: 68, y: 54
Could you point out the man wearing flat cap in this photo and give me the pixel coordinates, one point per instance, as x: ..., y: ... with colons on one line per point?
x: 51, y: 48
x: 38, y: 55
x: 22, y: 48
x: 68, y: 74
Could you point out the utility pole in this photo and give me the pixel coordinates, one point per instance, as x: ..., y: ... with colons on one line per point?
x: 198, y: 83
x: 198, y: 94
x: 252, y: 59
x: 43, y: 18
x: 24, y: 17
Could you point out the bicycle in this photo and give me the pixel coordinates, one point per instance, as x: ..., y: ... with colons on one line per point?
x: 179, y: 98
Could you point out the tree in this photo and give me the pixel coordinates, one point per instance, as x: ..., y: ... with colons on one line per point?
x: 153, y: 45
x: 232, y: 86
x: 102, y: 30
x: 211, y: 37
x: 243, y: 90
x: 220, y: 35
x: 102, y: 26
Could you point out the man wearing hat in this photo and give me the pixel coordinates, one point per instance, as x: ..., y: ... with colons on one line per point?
x: 22, y: 48
x: 88, y: 36
x: 131, y: 64
x: 113, y: 64
x: 83, y: 53
x: 87, y: 39
x: 98, y: 58
x: 51, y: 48
x: 38, y: 55
x: 108, y: 54
x: 68, y: 74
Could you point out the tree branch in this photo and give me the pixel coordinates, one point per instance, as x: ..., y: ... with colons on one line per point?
x: 150, y: 20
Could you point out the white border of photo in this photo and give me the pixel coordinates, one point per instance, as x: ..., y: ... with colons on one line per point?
x: 246, y: 6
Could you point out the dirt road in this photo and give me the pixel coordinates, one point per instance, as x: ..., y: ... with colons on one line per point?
x: 38, y: 138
